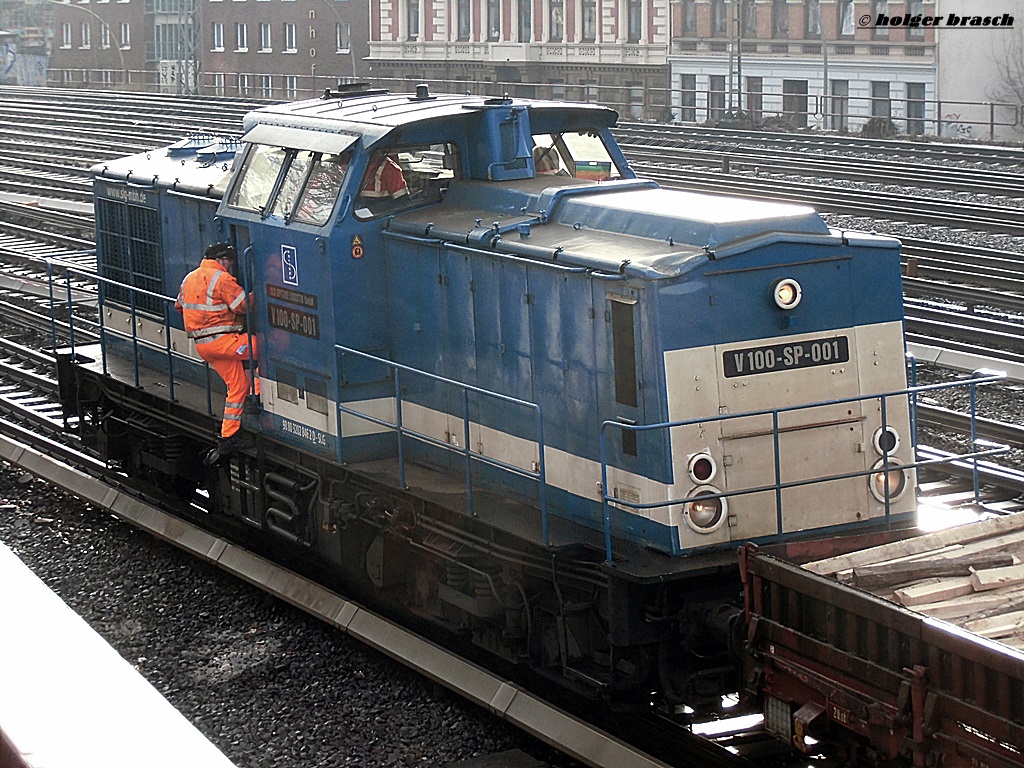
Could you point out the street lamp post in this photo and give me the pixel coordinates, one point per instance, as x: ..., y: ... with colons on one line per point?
x: 824, y: 71
x: 341, y: 23
x: 110, y: 32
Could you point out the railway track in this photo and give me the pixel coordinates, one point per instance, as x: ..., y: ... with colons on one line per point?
x: 822, y: 143
x: 795, y: 163
x: 27, y: 397
x: 33, y: 435
x: 896, y: 206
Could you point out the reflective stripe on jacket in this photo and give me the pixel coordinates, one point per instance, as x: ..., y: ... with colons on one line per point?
x: 386, y: 180
x: 210, y: 301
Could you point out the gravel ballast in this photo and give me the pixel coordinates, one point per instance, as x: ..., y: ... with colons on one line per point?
x: 267, y: 684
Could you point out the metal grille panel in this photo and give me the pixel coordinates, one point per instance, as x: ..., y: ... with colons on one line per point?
x: 130, y: 253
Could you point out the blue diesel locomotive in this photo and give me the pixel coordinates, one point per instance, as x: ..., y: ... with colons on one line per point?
x: 506, y: 386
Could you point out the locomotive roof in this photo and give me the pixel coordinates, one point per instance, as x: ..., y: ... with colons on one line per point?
x: 374, y: 114
x: 627, y: 227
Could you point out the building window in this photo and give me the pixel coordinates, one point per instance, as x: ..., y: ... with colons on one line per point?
x: 688, y: 98
x: 837, y: 109
x: 493, y: 19
x: 525, y: 21
x: 243, y: 85
x: 690, y: 18
x: 165, y: 41
x: 812, y: 14
x: 65, y: 35
x: 288, y: 31
x: 106, y: 76
x: 291, y: 87
x: 794, y: 102
x: 265, y: 37
x: 104, y: 36
x: 916, y: 8
x: 846, y: 18
x: 413, y: 19
x: 915, y: 108
x: 719, y: 18
x: 465, y: 20
x: 881, y: 106
x: 780, y: 19
x: 86, y: 34
x: 755, y: 97
x: 241, y: 38
x: 589, y: 88
x: 217, y: 36
x: 748, y: 26
x: 589, y: 21
x: 267, y: 86
x: 716, y: 97
x: 557, y: 15
x: 558, y: 90
x: 881, y: 8
x: 218, y: 83
x: 126, y: 35
x: 342, y: 37
x: 634, y: 21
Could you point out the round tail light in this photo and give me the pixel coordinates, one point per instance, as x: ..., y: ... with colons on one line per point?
x: 897, y: 480
x: 885, y: 440
x: 705, y: 515
x: 701, y: 468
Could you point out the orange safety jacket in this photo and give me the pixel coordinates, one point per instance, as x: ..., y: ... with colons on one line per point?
x: 385, y: 180
x: 211, y: 302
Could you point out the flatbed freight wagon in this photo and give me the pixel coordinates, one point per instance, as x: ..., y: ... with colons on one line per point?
x: 904, y: 653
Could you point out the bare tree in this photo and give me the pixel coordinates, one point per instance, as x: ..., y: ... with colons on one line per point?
x: 1009, y: 89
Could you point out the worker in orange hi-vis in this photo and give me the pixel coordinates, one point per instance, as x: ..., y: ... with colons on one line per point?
x: 213, y: 304
x: 384, y: 180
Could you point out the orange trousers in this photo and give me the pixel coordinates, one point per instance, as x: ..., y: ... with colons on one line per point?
x: 227, y: 355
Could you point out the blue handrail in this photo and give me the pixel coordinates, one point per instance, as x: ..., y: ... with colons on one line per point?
x: 988, y: 449
x: 469, y: 455
x: 104, y: 331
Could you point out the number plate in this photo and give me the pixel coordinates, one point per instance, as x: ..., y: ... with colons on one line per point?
x: 785, y: 357
x: 293, y: 321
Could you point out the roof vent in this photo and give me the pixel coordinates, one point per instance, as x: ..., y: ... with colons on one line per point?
x: 353, y: 89
x: 422, y: 93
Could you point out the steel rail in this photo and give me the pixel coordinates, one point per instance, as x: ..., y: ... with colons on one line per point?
x: 941, y: 212
x: 831, y: 167
x: 960, y: 423
x: 934, y: 149
x: 34, y: 437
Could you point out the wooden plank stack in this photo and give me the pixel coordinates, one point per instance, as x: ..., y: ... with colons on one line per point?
x: 971, y: 575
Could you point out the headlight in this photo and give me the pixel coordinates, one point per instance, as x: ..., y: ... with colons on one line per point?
x: 787, y: 293
x: 705, y: 515
x: 701, y: 468
x: 885, y: 440
x: 897, y: 480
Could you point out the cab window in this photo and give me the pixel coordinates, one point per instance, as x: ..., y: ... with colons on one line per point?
x: 581, y: 155
x: 291, y: 186
x: 308, y: 190
x: 258, y: 177
x: 326, y: 173
x: 399, y: 178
